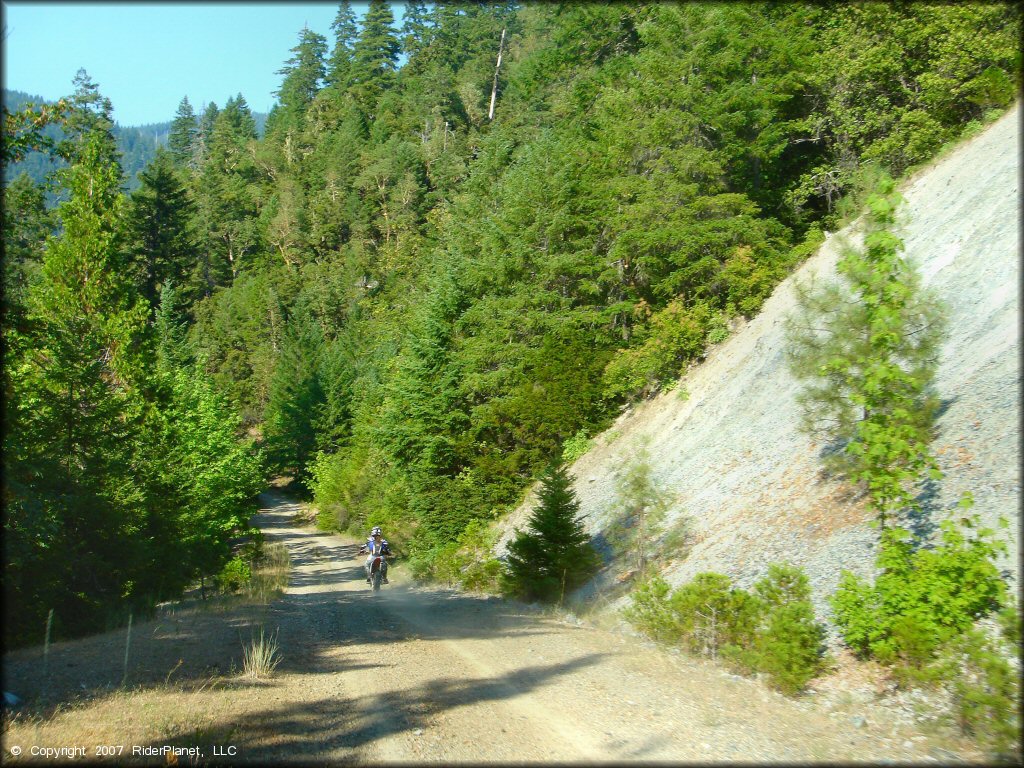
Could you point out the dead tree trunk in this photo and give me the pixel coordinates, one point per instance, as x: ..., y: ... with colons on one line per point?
x: 494, y: 88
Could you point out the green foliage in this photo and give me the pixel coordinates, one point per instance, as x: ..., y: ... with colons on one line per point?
x: 986, y: 690
x: 770, y: 630
x: 160, y: 237
x: 867, y: 349
x: 789, y: 643
x: 235, y: 574
x: 894, y: 98
x: 649, y: 610
x: 123, y: 475
x: 467, y: 562
x: 26, y: 224
x: 419, y: 308
x: 711, y: 615
x: 576, y: 446
x: 182, y: 136
x: 295, y: 398
x: 922, y: 598
x: 677, y: 336
x: 553, y: 555
x: 641, y: 504
x: 303, y: 74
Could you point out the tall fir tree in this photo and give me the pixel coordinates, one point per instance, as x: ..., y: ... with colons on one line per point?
x: 338, y: 71
x: 374, y: 55
x: 183, y: 134
x: 227, y: 197
x: 160, y: 239
x: 416, y: 28
x: 303, y: 75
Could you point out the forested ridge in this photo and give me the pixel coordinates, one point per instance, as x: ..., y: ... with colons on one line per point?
x: 411, y: 303
x: 137, y: 145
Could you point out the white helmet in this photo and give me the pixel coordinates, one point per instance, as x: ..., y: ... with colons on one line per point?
x: 376, y: 530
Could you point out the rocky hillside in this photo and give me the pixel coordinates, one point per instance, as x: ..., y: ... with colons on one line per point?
x: 724, y: 442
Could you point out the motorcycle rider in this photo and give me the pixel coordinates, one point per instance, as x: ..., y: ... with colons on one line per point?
x: 376, y: 545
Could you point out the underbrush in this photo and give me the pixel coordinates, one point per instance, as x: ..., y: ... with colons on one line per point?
x: 941, y: 618
x: 468, y: 562
x: 771, y: 630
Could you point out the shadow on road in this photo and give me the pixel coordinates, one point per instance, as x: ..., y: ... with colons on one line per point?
x: 308, y: 731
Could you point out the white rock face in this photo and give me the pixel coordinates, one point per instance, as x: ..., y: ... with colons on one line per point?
x: 750, y: 485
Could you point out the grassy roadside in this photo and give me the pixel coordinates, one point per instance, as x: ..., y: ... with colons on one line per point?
x: 151, y: 681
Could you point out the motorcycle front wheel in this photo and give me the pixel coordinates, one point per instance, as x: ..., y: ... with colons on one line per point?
x: 375, y: 578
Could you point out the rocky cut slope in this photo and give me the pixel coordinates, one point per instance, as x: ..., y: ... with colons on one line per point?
x: 725, y: 443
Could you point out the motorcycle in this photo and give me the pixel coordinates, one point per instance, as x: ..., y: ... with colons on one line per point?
x: 377, y: 566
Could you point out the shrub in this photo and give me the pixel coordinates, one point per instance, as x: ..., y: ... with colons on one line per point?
x: 649, y: 611
x: 772, y: 630
x: 985, y: 689
x: 790, y: 642
x: 235, y: 575
x: 921, y: 598
x: 466, y: 562
x: 710, y: 615
x: 576, y: 446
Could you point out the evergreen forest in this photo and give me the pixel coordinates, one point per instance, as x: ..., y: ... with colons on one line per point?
x: 419, y: 282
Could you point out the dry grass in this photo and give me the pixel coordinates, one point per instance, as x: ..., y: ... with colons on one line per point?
x: 260, y: 657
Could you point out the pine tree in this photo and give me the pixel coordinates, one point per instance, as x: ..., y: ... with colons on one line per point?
x: 159, y: 229
x: 867, y: 349
x: 183, y: 134
x: 554, y: 555
x: 374, y: 55
x: 303, y: 74
x: 642, y: 504
x: 415, y: 28
x: 345, y: 33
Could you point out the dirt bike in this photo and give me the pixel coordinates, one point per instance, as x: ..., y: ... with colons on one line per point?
x: 377, y: 566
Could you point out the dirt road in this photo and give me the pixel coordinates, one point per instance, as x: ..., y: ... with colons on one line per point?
x: 415, y: 674
x: 411, y: 675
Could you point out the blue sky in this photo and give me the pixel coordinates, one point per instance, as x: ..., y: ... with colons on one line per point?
x: 146, y: 56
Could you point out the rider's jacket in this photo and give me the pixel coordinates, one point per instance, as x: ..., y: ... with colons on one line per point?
x: 372, y: 548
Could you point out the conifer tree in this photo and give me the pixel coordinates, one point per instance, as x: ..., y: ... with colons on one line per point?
x: 26, y: 223
x: 303, y: 74
x: 554, y: 555
x: 204, y: 131
x: 183, y: 133
x: 345, y: 32
x: 91, y: 115
x: 159, y: 229
x: 227, y: 197
x: 374, y: 55
x: 415, y: 28
x: 642, y: 504
x: 295, y: 398
x: 78, y: 403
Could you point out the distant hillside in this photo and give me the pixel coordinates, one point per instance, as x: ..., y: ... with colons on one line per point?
x: 137, y: 144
